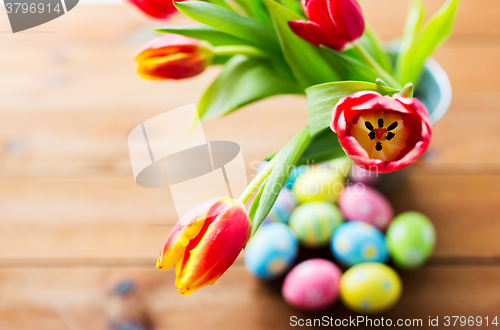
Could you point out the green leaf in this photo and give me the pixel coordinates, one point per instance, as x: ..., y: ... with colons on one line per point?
x: 413, y: 23
x: 243, y: 81
x: 229, y: 22
x: 221, y: 3
x: 349, y: 67
x: 203, y: 32
x: 286, y: 159
x: 294, y: 6
x: 256, y: 9
x: 324, y: 146
x: 375, y: 47
x: 434, y: 33
x: 321, y: 99
x: 305, y: 60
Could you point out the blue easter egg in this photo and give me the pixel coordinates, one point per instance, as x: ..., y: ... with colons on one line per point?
x: 355, y: 242
x: 296, y: 172
x: 271, y: 251
x: 282, y: 208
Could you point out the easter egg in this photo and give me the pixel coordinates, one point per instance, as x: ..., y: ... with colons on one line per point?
x: 294, y: 174
x: 283, y: 207
x: 361, y: 203
x: 360, y: 175
x: 312, y: 285
x: 271, y: 251
x: 370, y: 287
x: 411, y: 238
x: 313, y: 223
x: 318, y: 184
x: 356, y: 242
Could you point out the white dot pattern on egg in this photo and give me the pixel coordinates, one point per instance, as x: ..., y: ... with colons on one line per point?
x: 428, y: 235
x: 271, y: 251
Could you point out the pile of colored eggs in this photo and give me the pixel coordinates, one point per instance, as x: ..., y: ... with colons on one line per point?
x: 320, y: 208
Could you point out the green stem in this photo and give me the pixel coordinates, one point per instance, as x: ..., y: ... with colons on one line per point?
x: 239, y: 49
x: 256, y: 182
x: 374, y: 64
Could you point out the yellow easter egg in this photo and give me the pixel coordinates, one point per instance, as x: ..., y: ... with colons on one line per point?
x: 370, y: 288
x: 318, y: 184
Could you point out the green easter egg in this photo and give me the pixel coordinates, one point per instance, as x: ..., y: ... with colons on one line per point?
x: 411, y: 238
x: 318, y: 184
x: 370, y: 287
x: 313, y: 223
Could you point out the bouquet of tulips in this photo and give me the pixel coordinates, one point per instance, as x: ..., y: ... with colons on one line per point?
x: 359, y: 92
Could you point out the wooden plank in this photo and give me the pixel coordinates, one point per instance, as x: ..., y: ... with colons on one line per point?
x: 114, y: 218
x: 78, y: 298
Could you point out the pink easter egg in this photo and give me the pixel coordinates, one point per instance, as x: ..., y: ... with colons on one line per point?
x: 360, y: 175
x: 312, y: 285
x: 362, y: 203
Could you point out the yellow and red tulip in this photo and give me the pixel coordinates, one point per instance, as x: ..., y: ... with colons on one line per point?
x: 381, y: 133
x: 173, y: 56
x: 333, y: 23
x: 205, y: 243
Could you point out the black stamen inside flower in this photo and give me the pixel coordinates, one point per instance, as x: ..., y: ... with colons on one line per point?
x: 378, y: 146
x: 390, y: 135
x: 392, y: 126
x: 380, y: 122
x: 371, y: 135
x: 369, y: 125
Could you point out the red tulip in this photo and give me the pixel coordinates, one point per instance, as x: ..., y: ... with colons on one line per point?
x: 381, y: 133
x: 156, y: 8
x: 205, y: 242
x: 173, y: 56
x: 332, y: 23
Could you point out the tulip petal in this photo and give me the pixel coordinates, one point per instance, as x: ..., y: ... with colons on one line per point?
x: 313, y: 33
x: 385, y: 102
x: 416, y: 106
x: 348, y: 18
x: 176, y: 66
x: 217, y: 250
x: 409, y: 158
x: 186, y: 229
x: 155, y: 8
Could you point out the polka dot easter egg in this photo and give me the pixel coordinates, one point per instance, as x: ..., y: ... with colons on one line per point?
x: 356, y: 242
x: 313, y: 223
x: 283, y: 207
x: 318, y: 184
x: 312, y: 285
x: 411, y: 238
x: 271, y: 251
x: 362, y: 203
x: 370, y: 288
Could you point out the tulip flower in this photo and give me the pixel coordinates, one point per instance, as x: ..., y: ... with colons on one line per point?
x: 333, y: 23
x: 173, y: 56
x: 205, y: 242
x: 381, y: 133
x: 160, y: 9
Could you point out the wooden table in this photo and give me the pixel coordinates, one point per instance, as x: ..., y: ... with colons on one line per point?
x: 73, y: 222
